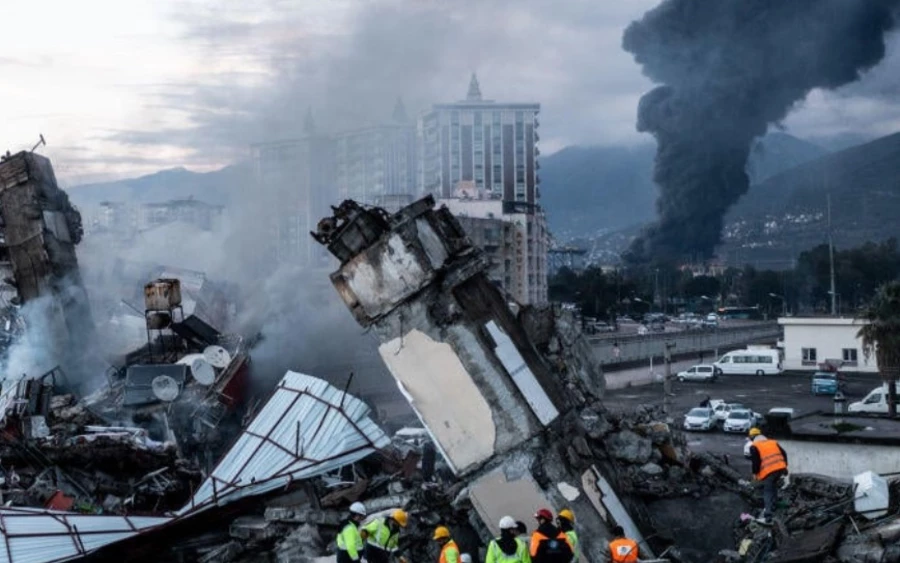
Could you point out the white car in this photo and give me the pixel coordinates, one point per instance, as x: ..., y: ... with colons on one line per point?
x: 740, y: 420
x: 722, y: 410
x: 699, y: 418
x: 702, y: 372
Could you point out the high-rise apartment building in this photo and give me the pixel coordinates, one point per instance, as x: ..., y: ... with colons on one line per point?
x: 295, y: 185
x: 490, y: 144
x: 376, y: 165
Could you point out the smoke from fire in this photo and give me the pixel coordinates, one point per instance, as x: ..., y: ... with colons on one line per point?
x: 729, y: 69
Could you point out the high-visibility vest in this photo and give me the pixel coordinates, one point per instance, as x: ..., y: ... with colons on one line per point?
x: 623, y: 550
x: 537, y: 537
x: 350, y: 541
x: 770, y: 458
x: 497, y: 555
x: 449, y: 553
x: 573, y: 541
x: 380, y: 536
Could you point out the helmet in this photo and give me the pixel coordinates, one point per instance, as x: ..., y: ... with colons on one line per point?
x: 401, y: 517
x: 754, y: 432
x: 358, y: 508
x: 465, y: 558
x: 567, y: 514
x: 441, y: 532
x: 544, y: 513
x: 508, y: 523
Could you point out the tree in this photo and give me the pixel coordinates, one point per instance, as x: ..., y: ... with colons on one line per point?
x: 881, y: 336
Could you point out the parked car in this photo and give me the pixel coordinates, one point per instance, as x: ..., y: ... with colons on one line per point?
x: 600, y: 326
x: 739, y: 420
x: 876, y: 402
x: 825, y: 383
x: 701, y: 372
x: 712, y: 318
x: 699, y: 418
x: 723, y: 409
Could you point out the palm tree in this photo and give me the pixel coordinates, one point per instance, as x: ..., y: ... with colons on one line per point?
x: 881, y: 336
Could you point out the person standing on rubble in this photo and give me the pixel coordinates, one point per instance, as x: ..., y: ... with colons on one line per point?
x: 622, y: 549
x: 566, y: 521
x: 382, y: 536
x: 449, y: 549
x: 769, y: 461
x: 349, y: 541
x: 549, y: 544
x: 508, y: 548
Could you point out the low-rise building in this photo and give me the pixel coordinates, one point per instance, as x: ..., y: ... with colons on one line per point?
x: 810, y: 342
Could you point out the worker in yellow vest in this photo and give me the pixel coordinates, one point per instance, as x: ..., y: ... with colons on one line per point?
x: 507, y: 548
x: 449, y: 549
x: 349, y: 541
x: 622, y: 549
x: 566, y: 522
x: 382, y: 537
x: 769, y: 465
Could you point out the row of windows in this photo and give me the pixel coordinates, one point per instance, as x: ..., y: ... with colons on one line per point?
x: 810, y: 355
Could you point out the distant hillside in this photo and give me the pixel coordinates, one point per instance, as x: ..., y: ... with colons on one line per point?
x: 788, y: 212
x: 587, y: 190
x: 177, y: 183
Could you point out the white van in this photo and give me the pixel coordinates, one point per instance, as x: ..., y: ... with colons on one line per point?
x: 876, y: 402
x: 750, y: 362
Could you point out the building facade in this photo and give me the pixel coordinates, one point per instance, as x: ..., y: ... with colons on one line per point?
x: 378, y: 163
x: 490, y: 144
x: 295, y: 186
x: 513, y: 237
x: 810, y: 342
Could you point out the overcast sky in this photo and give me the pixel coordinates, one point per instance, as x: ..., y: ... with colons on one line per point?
x: 122, y: 88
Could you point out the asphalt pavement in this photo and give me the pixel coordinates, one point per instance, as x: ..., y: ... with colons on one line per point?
x: 760, y: 393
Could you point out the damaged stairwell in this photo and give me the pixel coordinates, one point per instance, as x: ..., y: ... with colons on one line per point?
x: 512, y: 403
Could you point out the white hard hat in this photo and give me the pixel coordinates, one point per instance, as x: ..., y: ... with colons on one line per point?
x: 358, y: 508
x: 465, y: 558
x: 508, y: 523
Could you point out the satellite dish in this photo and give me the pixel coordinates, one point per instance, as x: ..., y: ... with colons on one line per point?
x: 165, y: 388
x: 217, y: 356
x: 188, y: 359
x: 202, y: 371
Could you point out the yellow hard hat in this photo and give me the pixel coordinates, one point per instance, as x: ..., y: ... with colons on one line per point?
x: 754, y: 432
x: 567, y: 514
x: 401, y: 517
x: 441, y: 532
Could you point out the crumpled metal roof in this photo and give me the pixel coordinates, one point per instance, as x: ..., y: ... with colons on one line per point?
x: 307, y: 428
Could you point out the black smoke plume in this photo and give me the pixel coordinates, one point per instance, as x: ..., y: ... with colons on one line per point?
x: 729, y: 69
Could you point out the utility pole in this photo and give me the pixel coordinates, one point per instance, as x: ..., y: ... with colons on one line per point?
x: 656, y: 288
x: 667, y: 382
x: 831, y: 259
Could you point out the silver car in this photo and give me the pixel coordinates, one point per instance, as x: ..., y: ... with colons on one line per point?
x: 702, y: 372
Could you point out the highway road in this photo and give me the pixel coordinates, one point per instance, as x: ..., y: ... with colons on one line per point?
x: 757, y: 392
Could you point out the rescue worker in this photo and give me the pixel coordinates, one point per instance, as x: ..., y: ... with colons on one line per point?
x: 349, y: 541
x: 382, y: 536
x: 549, y: 544
x: 449, y: 549
x: 566, y: 521
x: 769, y: 464
x: 522, y: 531
x: 508, y: 548
x: 622, y: 549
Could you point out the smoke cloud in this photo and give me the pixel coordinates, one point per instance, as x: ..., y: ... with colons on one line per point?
x: 729, y: 69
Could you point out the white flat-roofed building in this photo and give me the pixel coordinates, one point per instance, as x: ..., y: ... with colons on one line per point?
x: 812, y: 341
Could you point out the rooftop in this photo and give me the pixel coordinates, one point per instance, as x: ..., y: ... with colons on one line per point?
x: 820, y: 321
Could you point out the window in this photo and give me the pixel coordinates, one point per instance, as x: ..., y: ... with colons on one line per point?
x: 849, y: 355
x: 873, y: 399
x: 809, y: 355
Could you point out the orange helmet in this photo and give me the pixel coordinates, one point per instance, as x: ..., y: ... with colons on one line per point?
x: 441, y: 532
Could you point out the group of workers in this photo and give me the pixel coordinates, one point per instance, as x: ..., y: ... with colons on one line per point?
x: 554, y: 540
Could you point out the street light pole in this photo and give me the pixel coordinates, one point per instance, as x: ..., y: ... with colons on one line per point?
x: 667, y: 382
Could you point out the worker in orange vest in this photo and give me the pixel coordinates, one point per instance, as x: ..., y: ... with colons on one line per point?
x: 449, y: 549
x: 549, y: 544
x: 622, y: 549
x: 769, y: 462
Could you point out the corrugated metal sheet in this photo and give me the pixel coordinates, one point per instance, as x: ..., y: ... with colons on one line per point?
x: 307, y: 428
x: 523, y: 378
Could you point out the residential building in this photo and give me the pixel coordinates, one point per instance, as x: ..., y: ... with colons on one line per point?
x: 198, y: 213
x: 295, y: 186
x: 377, y: 163
x: 811, y: 342
x: 514, y: 238
x: 490, y: 144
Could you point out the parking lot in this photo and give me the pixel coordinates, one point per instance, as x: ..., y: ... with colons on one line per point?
x: 758, y: 393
